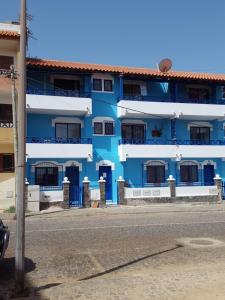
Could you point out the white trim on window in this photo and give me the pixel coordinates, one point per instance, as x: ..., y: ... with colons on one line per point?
x: 142, y: 84
x: 102, y: 77
x: 200, y: 124
x: 72, y: 163
x: 66, y: 120
x: 155, y: 163
x: 43, y: 163
x: 62, y: 76
x: 128, y: 121
x: 105, y: 163
x: 103, y: 120
x: 208, y: 162
x: 189, y: 163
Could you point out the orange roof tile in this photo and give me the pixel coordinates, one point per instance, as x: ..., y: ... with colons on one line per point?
x: 9, y: 34
x: 57, y: 64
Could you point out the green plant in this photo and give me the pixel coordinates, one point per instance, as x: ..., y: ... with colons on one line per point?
x: 10, y: 210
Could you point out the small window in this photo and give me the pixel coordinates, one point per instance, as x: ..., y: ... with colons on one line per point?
x: 6, y: 112
x: 6, y: 62
x: 155, y: 174
x: 200, y: 134
x: 107, y: 85
x: 104, y: 128
x: 67, y: 130
x: 189, y: 173
x: 46, y: 176
x: 6, y: 162
x: 109, y: 128
x: 98, y: 128
x: 97, y: 84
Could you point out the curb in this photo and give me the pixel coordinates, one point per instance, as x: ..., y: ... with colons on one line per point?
x: 122, y: 210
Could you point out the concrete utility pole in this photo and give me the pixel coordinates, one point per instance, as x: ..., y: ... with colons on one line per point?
x: 14, y: 109
x: 20, y: 168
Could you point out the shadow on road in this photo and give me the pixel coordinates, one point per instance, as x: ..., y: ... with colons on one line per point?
x: 7, y: 276
x: 7, y: 268
x: 128, y: 264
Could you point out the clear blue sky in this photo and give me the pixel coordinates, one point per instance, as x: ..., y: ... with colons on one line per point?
x: 127, y: 32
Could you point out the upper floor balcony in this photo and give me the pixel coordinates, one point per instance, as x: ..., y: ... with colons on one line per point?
x: 59, y: 101
x: 183, y: 100
x: 170, y: 148
x: 167, y: 108
x: 49, y: 147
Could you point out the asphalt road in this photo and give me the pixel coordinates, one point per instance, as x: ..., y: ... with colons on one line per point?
x: 124, y: 256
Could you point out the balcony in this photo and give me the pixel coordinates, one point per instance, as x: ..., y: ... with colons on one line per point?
x: 184, y: 108
x: 182, y: 149
x: 6, y: 132
x: 48, y: 147
x: 64, y: 102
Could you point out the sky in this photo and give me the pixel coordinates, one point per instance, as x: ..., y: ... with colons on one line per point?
x: 127, y: 32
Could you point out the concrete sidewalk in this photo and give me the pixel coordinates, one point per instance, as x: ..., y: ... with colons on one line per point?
x: 144, y: 209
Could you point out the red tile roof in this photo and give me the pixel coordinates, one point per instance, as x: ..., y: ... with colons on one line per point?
x: 63, y: 65
x: 5, y: 34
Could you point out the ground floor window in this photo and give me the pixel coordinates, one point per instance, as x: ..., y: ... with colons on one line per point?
x: 155, y: 174
x: 46, y: 176
x: 7, y: 162
x: 189, y: 173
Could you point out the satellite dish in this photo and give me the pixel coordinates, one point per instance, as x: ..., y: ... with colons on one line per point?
x: 165, y: 65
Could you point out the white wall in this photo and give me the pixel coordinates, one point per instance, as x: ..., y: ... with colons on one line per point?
x: 196, y: 191
x: 51, y: 196
x: 59, y: 105
x: 146, y: 192
x: 34, y: 150
x: 168, y: 109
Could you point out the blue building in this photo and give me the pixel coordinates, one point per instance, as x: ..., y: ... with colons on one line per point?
x: 141, y: 124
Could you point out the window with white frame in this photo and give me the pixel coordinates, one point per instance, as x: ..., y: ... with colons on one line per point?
x: 103, y: 127
x: 102, y: 84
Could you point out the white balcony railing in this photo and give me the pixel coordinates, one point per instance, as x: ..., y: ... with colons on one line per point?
x: 59, y: 150
x: 62, y: 105
x: 130, y: 108
x: 127, y: 151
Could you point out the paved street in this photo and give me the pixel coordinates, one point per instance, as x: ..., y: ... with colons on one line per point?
x: 103, y: 254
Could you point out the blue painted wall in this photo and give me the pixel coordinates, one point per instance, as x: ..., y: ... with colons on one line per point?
x: 106, y: 147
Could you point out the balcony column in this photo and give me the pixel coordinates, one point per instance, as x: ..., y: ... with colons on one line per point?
x: 121, y: 195
x: 218, y: 184
x: 172, y: 185
x: 121, y: 86
x: 173, y: 128
x: 102, y: 183
x: 66, y: 193
x: 86, y: 193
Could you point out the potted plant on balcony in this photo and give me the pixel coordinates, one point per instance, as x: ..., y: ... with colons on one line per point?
x: 156, y: 132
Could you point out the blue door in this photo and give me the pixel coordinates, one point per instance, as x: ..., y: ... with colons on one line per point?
x: 73, y: 175
x: 209, y: 174
x: 106, y: 173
